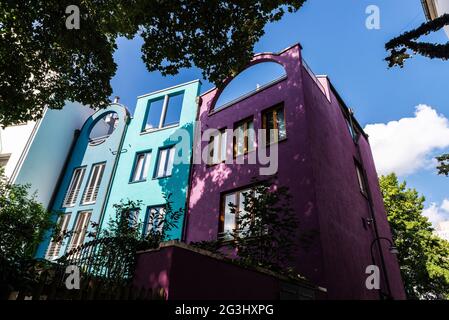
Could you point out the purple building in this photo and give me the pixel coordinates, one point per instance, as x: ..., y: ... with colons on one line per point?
x: 324, y: 158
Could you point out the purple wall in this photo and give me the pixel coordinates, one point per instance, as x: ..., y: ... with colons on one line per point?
x: 316, y: 162
x: 208, y: 277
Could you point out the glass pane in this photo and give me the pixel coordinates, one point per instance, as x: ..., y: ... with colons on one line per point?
x: 154, y: 114
x: 223, y: 145
x: 171, y: 157
x: 161, y: 164
x: 173, y: 112
x: 281, y: 123
x: 138, y: 168
x: 146, y: 165
x: 251, y: 136
x: 229, y: 218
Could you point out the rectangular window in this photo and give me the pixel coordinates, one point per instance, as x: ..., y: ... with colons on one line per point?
x: 360, y: 178
x: 273, y: 121
x: 164, y: 112
x: 244, y: 137
x: 55, y: 245
x: 217, y: 147
x: 74, y: 187
x: 91, y: 192
x: 228, y: 220
x: 165, y: 162
x: 155, y: 219
x: 80, y: 230
x: 140, y: 172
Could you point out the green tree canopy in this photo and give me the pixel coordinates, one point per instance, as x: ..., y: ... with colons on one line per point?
x: 443, y: 167
x: 42, y: 63
x: 402, y: 46
x: 423, y: 257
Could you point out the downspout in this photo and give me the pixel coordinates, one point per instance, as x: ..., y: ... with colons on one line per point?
x: 114, y: 170
x: 371, y: 208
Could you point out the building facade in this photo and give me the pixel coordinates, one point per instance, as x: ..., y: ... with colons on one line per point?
x: 86, y: 178
x: 324, y: 158
x: 33, y: 150
x: 436, y: 8
x: 156, y: 155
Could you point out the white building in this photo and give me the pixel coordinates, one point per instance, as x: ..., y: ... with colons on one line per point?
x: 436, y: 8
x: 35, y: 153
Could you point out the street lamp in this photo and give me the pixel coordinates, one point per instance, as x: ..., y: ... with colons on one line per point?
x: 393, y: 250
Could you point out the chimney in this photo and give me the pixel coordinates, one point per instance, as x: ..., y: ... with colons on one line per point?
x: 116, y: 99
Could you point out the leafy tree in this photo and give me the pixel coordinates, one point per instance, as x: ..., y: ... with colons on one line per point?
x: 267, y: 227
x: 43, y: 63
x: 126, y: 223
x: 401, y: 46
x: 423, y: 257
x: 443, y: 167
x: 23, y: 224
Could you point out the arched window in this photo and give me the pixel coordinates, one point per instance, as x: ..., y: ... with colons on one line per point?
x: 250, y: 81
x: 103, y: 128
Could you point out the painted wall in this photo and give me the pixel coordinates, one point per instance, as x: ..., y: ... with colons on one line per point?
x: 49, y: 148
x: 151, y: 191
x: 86, y: 155
x: 13, y: 142
x: 316, y: 162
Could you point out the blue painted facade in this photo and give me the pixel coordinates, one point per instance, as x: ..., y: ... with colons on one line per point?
x: 86, y: 153
x: 148, y: 187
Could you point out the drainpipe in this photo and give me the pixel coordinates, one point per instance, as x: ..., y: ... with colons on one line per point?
x: 371, y: 209
x: 114, y: 170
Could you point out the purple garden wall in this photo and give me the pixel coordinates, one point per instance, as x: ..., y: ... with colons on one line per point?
x: 316, y: 162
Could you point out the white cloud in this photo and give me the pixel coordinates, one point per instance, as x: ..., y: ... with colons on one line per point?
x: 439, y: 217
x: 407, y: 145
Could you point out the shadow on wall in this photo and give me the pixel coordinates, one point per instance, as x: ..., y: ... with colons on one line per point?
x: 177, y: 183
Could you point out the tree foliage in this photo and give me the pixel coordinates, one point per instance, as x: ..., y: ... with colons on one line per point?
x: 23, y: 224
x: 423, y: 257
x: 443, y: 167
x: 401, y: 46
x: 42, y: 63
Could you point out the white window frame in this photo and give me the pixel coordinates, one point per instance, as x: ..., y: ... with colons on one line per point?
x: 141, y: 167
x: 54, y: 247
x: 74, y: 187
x: 79, y: 229
x: 93, y: 186
x: 218, y: 147
x: 164, y: 112
x: 165, y: 161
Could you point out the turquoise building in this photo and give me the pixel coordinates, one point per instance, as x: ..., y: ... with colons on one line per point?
x: 156, y: 154
x: 86, y: 178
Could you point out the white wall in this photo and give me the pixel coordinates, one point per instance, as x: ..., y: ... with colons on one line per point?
x: 442, y: 8
x: 48, y: 151
x: 13, y: 141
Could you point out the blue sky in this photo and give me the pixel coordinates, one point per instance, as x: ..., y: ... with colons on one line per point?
x: 336, y: 42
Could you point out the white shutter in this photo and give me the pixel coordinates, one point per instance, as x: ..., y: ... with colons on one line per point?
x: 91, y: 192
x: 74, y: 187
x: 55, y: 246
x: 79, y: 232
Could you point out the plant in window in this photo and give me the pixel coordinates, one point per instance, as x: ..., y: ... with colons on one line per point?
x: 161, y: 222
x: 266, y: 228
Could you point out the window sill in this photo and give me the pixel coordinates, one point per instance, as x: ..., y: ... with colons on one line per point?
x: 147, y: 131
x: 277, y: 142
x: 137, y: 181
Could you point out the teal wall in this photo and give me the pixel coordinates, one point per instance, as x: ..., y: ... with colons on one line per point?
x: 151, y: 191
x: 85, y: 154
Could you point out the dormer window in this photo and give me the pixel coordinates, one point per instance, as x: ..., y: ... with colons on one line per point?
x: 164, y: 112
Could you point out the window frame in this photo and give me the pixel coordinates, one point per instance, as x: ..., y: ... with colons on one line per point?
x: 146, y: 162
x: 273, y: 110
x: 65, y: 204
x: 55, y: 246
x: 166, y: 102
x: 84, y: 227
x: 146, y: 229
x: 167, y: 159
x: 361, y: 178
x: 220, y: 158
x: 245, y: 122
x: 95, y: 191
